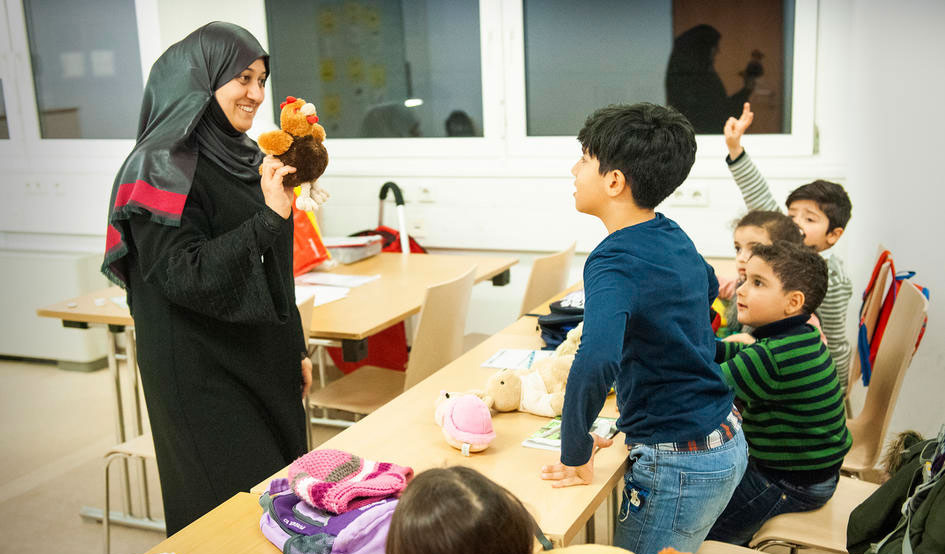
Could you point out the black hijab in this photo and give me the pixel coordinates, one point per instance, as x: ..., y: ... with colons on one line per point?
x: 174, y: 127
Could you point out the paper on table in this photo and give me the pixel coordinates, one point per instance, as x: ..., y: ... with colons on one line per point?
x: 516, y: 358
x: 122, y: 301
x: 334, y: 279
x: 323, y: 295
x: 548, y: 437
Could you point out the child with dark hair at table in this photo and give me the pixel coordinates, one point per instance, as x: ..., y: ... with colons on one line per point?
x: 459, y: 510
x: 786, y: 380
x: 647, y: 293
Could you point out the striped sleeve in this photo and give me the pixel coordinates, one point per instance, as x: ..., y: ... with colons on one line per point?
x: 832, y: 313
x: 751, y: 182
x: 725, y: 350
x: 752, y: 373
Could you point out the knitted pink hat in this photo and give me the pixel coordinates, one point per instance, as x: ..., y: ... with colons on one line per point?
x: 466, y: 420
x: 338, y: 481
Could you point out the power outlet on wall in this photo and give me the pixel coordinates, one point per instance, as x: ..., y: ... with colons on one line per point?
x: 691, y: 195
x: 417, y: 229
x: 424, y: 194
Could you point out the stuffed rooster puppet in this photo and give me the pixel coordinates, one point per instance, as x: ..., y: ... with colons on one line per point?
x: 299, y: 144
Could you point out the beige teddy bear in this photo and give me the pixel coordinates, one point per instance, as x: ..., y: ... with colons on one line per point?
x: 538, y: 390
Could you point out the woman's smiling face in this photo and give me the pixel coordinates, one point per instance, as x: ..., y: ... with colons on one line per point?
x: 241, y: 96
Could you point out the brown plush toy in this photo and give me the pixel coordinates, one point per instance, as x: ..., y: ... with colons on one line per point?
x: 299, y: 144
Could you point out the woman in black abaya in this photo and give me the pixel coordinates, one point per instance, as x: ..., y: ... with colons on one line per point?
x: 203, y: 245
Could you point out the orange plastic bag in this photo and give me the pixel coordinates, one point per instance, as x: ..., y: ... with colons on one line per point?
x: 308, y: 249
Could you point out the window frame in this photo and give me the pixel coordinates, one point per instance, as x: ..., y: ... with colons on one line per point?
x: 799, y: 142
x: 76, y: 153
x: 11, y: 149
x: 503, y: 97
x: 406, y: 152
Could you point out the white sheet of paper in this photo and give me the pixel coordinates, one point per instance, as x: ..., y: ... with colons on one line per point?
x: 334, y: 279
x: 122, y: 301
x: 516, y: 358
x: 323, y: 294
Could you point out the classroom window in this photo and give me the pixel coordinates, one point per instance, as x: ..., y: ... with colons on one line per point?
x: 705, y: 58
x: 86, y: 68
x: 4, y: 127
x: 380, y: 68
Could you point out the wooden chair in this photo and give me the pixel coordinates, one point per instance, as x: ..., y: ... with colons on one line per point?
x: 548, y: 277
x: 824, y: 528
x: 438, y: 341
x: 868, y: 428
x: 715, y: 547
x: 141, y: 448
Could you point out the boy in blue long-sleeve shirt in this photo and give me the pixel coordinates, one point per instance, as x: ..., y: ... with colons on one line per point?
x: 646, y: 328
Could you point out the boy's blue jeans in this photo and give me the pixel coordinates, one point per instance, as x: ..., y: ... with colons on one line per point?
x: 673, y: 498
x: 758, y: 499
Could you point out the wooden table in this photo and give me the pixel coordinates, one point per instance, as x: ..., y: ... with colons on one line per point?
x: 366, y: 310
x: 230, y: 528
x: 403, y: 431
x: 397, y: 295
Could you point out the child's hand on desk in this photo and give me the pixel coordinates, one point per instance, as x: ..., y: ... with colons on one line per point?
x: 566, y: 476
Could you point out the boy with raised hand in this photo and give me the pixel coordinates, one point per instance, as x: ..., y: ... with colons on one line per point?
x: 647, y: 296
x: 822, y: 210
x: 793, y: 410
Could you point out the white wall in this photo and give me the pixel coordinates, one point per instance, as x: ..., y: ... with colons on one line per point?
x: 895, y: 124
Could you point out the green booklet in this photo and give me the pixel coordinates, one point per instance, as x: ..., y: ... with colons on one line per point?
x: 549, y: 436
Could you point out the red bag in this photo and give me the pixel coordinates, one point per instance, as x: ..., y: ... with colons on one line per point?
x: 871, y: 330
x: 308, y: 250
x: 390, y: 240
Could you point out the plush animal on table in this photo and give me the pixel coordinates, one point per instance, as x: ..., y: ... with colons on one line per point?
x: 465, y: 420
x: 538, y: 389
x: 299, y: 144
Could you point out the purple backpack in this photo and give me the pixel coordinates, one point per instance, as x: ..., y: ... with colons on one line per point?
x: 297, y: 528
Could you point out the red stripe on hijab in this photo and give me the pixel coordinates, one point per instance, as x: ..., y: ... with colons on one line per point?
x: 143, y: 194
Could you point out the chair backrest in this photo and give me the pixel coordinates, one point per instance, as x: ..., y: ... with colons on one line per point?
x: 306, y: 307
x: 893, y: 358
x: 549, y: 276
x: 438, y: 339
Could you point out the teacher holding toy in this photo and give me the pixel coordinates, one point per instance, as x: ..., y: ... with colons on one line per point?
x: 203, y: 245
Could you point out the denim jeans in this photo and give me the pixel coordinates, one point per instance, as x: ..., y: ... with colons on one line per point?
x: 673, y: 498
x: 758, y: 499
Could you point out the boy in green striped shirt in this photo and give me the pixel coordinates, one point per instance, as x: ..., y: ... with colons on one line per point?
x: 786, y: 381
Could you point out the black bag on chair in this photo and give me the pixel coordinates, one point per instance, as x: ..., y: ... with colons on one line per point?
x: 565, y: 315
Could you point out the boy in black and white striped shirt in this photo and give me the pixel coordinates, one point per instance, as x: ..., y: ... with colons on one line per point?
x: 821, y: 209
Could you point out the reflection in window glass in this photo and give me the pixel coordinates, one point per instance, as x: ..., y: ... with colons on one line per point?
x: 380, y: 68
x: 4, y: 127
x: 704, y: 58
x: 86, y: 67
